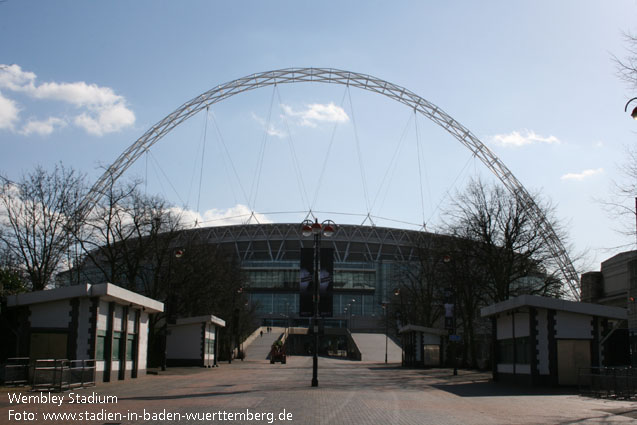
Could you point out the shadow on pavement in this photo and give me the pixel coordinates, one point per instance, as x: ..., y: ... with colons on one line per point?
x: 495, y: 389
x: 180, y: 396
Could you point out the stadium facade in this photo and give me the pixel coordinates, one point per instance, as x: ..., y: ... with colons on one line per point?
x: 369, y: 263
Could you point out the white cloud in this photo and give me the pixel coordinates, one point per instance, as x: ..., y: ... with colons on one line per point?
x: 584, y: 174
x: 42, y: 128
x: 522, y: 138
x: 101, y: 110
x: 12, y: 77
x: 238, y: 214
x: 105, y: 120
x: 271, y: 129
x: 9, y: 113
x: 317, y: 113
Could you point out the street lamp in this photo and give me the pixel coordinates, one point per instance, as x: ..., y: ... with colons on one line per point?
x: 634, y: 113
x: 170, y: 307
x: 385, y: 307
x: 327, y: 228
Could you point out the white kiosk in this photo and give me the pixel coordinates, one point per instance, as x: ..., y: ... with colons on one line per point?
x: 540, y: 340
x: 103, y: 322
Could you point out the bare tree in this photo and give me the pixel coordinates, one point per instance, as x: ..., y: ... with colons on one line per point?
x: 508, y: 247
x: 35, y: 214
x: 420, y: 296
x: 627, y: 68
x: 622, y: 202
x: 125, y: 238
x: 12, y: 276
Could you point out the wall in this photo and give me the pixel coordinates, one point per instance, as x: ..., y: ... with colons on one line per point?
x: 505, y: 325
x: 573, y: 326
x: 50, y: 315
x: 143, y: 342
x: 542, y: 342
x: 184, y: 341
x: 210, y: 334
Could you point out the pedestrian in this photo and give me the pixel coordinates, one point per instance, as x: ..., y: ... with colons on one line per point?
x: 261, y: 334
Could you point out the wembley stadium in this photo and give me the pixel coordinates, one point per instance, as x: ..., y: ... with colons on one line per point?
x: 369, y: 263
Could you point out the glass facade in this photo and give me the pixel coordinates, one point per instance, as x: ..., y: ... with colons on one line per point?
x: 359, y: 289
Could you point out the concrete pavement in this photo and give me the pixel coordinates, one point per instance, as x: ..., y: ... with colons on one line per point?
x: 360, y: 393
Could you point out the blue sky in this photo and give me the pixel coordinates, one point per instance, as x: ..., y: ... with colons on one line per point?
x: 534, y: 80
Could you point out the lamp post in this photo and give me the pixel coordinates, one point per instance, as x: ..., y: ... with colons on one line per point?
x: 308, y: 228
x: 634, y: 113
x: 385, y: 306
x: 170, y: 307
x: 235, y: 343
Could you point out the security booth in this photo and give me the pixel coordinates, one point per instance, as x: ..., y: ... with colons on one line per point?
x: 546, y: 341
x: 422, y: 346
x: 192, y: 341
x: 101, y: 322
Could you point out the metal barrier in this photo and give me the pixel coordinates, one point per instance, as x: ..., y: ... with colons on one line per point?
x: 62, y: 374
x: 80, y: 373
x: 607, y: 382
x: 16, y: 371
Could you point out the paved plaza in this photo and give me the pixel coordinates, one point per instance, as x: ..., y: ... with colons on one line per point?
x: 348, y: 393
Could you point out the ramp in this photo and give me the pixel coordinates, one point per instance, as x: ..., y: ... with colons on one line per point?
x: 372, y: 348
x: 259, y: 348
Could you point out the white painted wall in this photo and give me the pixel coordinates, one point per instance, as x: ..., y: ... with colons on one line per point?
x: 210, y: 334
x: 118, y: 315
x: 143, y: 341
x: 54, y: 314
x: 505, y: 325
x: 102, y: 317
x: 573, y: 326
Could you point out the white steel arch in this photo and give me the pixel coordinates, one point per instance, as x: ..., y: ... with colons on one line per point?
x: 362, y: 81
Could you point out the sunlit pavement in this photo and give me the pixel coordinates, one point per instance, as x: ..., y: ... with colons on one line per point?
x: 348, y: 393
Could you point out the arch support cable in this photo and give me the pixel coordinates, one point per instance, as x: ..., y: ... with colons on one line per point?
x: 353, y: 79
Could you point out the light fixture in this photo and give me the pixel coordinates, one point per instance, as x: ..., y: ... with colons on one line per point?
x: 634, y: 113
x: 306, y: 228
x: 328, y: 228
x: 316, y: 227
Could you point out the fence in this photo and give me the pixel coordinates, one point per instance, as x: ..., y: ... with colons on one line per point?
x: 608, y: 382
x: 62, y: 374
x: 16, y: 371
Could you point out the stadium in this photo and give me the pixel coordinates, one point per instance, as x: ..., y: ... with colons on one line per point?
x: 369, y: 263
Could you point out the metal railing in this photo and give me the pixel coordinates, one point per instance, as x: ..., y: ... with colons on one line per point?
x: 608, y: 382
x: 15, y: 371
x: 62, y: 374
